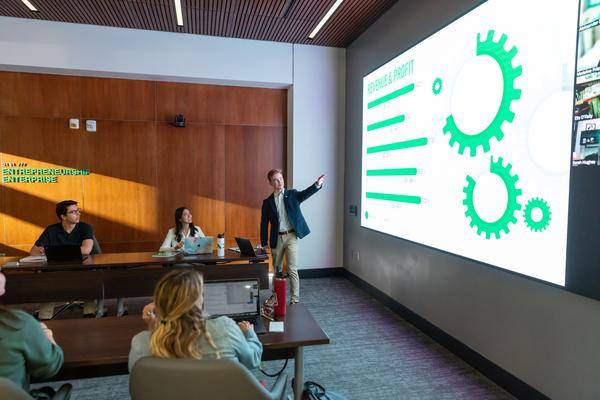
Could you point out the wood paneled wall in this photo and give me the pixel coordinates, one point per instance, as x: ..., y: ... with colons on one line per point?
x: 142, y: 167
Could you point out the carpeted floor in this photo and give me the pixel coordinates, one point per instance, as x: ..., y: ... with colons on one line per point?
x: 373, y: 354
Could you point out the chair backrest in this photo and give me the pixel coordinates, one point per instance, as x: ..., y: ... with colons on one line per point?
x: 96, y: 247
x: 11, y: 391
x: 159, y: 378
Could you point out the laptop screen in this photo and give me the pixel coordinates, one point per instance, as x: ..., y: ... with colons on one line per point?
x: 231, y: 298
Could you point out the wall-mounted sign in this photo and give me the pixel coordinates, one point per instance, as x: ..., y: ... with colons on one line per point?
x: 22, y: 173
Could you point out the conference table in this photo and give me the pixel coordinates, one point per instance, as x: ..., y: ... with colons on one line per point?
x: 100, y: 346
x: 118, y: 275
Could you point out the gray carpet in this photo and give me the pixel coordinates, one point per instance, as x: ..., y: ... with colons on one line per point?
x: 373, y: 354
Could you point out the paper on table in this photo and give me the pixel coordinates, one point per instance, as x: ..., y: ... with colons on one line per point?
x: 33, y: 259
x: 276, y: 326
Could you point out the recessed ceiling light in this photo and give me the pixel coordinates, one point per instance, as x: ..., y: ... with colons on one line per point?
x: 178, y: 12
x: 29, y: 5
x: 325, y: 18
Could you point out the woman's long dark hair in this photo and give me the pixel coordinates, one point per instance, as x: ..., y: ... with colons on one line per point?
x: 179, y: 225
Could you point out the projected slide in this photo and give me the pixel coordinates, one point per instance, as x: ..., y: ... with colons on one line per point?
x: 467, y: 137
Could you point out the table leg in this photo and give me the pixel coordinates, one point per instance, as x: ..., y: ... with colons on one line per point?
x: 298, y: 372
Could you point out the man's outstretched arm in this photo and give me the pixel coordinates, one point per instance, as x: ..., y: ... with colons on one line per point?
x: 312, y: 189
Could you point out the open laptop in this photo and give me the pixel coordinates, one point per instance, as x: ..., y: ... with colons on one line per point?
x: 237, y: 299
x: 63, y: 253
x: 201, y: 245
x: 246, y: 248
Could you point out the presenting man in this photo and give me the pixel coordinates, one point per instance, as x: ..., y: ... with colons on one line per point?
x: 69, y: 230
x: 282, y: 210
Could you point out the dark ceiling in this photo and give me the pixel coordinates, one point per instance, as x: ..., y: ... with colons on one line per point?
x: 274, y: 20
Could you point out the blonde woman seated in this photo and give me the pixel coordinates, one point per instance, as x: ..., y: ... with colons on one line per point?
x: 184, y: 228
x: 178, y: 329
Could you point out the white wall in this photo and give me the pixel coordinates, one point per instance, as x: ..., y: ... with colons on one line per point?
x: 314, y: 75
x: 545, y: 336
x: 45, y: 46
x: 318, y: 112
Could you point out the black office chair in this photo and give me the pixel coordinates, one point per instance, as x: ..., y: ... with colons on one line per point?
x: 171, y: 378
x: 96, y: 305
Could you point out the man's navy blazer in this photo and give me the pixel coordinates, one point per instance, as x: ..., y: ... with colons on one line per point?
x: 292, y: 199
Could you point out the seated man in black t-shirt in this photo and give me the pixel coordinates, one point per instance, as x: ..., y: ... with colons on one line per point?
x: 68, y: 231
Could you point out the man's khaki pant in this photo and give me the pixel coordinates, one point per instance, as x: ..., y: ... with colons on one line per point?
x: 288, y: 245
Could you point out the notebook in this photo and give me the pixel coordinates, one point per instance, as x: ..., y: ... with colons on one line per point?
x: 237, y: 299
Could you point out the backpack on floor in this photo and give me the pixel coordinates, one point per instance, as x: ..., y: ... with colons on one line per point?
x: 314, y: 391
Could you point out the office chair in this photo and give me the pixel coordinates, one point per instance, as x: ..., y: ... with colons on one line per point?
x: 11, y: 391
x: 171, y: 378
x: 97, y: 305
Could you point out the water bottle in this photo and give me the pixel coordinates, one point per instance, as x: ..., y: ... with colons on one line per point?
x: 279, y: 287
x: 221, y: 245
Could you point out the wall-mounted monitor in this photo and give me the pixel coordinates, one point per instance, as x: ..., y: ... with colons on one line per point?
x: 468, y: 136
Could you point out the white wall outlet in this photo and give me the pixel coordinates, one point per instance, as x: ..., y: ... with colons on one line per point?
x: 74, y: 123
x: 90, y: 125
x: 356, y: 255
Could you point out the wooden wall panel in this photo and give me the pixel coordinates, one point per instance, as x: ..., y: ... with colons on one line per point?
x: 251, y: 153
x: 38, y: 142
x: 37, y: 95
x: 142, y: 168
x: 191, y: 164
x: 222, y: 104
x: 122, y: 210
x: 118, y: 99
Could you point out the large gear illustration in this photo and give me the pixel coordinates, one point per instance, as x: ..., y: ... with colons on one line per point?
x: 504, y: 59
x: 510, y: 181
x: 544, y: 221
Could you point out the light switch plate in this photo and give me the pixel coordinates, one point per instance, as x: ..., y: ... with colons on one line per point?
x: 90, y: 125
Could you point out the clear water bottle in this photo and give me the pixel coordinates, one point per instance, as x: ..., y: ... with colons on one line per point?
x: 221, y: 245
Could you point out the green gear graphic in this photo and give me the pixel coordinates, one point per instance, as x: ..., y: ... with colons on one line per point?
x: 543, y: 223
x: 512, y: 205
x: 509, y: 73
x: 436, y: 88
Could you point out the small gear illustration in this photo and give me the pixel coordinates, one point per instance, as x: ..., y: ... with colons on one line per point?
x: 510, y: 181
x: 436, y: 88
x: 544, y: 221
x: 504, y: 59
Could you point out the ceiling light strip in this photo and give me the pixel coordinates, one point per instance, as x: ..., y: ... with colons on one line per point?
x: 178, y: 12
x: 325, y: 18
x: 29, y: 5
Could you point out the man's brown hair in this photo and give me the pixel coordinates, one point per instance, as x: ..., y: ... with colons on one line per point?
x: 273, y: 172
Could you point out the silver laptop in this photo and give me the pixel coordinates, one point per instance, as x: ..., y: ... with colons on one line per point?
x: 237, y: 299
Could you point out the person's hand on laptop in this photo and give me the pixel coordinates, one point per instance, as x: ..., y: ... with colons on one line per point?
x: 179, y: 245
x: 245, y: 326
x: 38, y: 251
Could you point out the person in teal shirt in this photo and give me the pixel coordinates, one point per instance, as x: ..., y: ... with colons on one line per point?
x: 27, y: 346
x: 178, y: 328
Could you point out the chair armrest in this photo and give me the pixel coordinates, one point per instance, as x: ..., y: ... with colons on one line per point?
x: 278, y: 389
